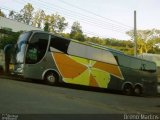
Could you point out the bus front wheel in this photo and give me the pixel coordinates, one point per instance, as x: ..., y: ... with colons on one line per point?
x: 51, y: 78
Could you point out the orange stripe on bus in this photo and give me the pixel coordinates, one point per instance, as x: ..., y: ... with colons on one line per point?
x: 112, y: 69
x: 74, y: 69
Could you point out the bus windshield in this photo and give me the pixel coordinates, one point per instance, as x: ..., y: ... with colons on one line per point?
x: 21, y: 47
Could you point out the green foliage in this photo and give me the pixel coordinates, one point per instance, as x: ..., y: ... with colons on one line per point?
x: 57, y: 23
x: 76, y: 32
x: 122, y: 45
x: 65, y: 35
x: 27, y: 13
x: 52, y: 23
x: 128, y: 51
x: 96, y: 40
x: 12, y: 14
x: 9, y: 39
x: 39, y: 18
x: 2, y: 14
x: 146, y: 40
x: 46, y: 27
x: 18, y: 17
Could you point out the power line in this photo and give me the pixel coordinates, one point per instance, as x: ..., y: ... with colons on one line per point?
x: 84, y: 20
x: 95, y: 23
x: 68, y: 27
x: 77, y: 7
x: 77, y: 13
x: 71, y: 13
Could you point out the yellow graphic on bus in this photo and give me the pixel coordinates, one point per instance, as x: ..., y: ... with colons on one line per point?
x: 83, y: 71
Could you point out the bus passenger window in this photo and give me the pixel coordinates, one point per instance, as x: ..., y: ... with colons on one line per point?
x: 31, y: 56
x: 37, y: 48
x: 149, y: 67
x: 59, y: 43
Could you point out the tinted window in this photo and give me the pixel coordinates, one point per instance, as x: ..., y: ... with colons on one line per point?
x: 129, y: 62
x: 37, y: 48
x: 60, y: 44
x: 124, y: 60
x: 135, y: 63
x: 148, y: 66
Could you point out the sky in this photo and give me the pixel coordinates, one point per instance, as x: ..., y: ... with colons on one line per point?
x: 99, y: 18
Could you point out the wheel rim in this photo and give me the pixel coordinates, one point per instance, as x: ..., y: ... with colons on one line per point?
x: 127, y: 90
x: 51, y: 78
x: 137, y: 91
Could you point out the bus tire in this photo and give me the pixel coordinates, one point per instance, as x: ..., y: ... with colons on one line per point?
x: 138, y: 90
x: 128, y: 89
x: 51, y: 78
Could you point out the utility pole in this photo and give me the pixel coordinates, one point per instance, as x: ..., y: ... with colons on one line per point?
x: 135, y: 35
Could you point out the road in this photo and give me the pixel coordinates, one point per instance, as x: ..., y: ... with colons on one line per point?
x: 32, y: 98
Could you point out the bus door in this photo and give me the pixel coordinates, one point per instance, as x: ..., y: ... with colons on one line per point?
x: 35, y: 62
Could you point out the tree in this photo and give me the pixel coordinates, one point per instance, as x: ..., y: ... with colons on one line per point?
x: 15, y: 16
x: 2, y: 14
x: 11, y: 14
x: 65, y: 35
x: 46, y: 27
x: 56, y: 23
x: 18, y: 17
x: 96, y: 40
x: 9, y: 39
x: 38, y: 18
x: 51, y: 22
x: 47, y: 23
x: 76, y: 32
x: 60, y: 24
x: 145, y: 39
x: 27, y: 14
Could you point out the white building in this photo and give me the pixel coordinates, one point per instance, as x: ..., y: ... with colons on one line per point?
x: 15, y: 26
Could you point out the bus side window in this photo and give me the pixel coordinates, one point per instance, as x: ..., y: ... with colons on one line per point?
x: 37, y: 48
x: 31, y: 56
x: 149, y: 67
x: 136, y: 63
x: 59, y: 43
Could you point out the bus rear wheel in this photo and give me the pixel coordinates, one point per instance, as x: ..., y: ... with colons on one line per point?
x: 138, y: 90
x: 51, y: 78
x: 128, y: 89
